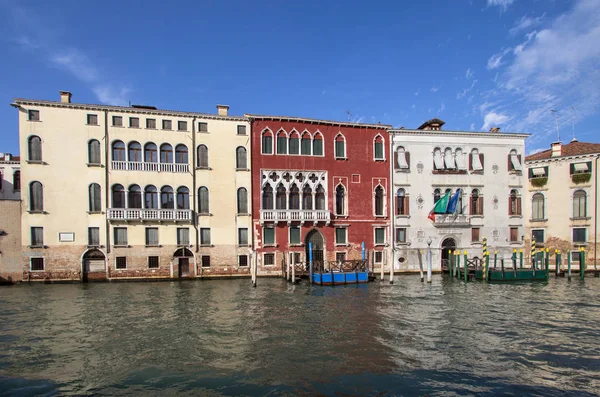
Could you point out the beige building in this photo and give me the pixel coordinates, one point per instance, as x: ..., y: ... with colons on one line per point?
x: 132, y: 192
x: 10, y: 177
x: 562, y: 204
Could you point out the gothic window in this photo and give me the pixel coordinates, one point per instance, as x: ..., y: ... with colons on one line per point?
x: 379, y: 201
x: 267, y: 198
x: 340, y: 198
x: 280, y: 199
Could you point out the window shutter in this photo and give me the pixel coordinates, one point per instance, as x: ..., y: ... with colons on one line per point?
x: 470, y: 161
x: 510, y: 167
x: 518, y: 205
x: 396, y: 205
x: 471, y: 206
x: 407, y: 159
x: 406, y: 207
x: 395, y: 160
x: 480, y: 205
x: 520, y: 161
x: 481, y: 160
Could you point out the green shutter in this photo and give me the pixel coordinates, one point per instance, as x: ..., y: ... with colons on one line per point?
x: 340, y: 235
x: 269, y: 236
x: 379, y: 235
x: 294, y: 235
x: 305, y: 146
x: 267, y: 145
x: 378, y: 150
x: 339, y: 149
x: 294, y: 146
x: 281, y: 145
x: 317, y: 147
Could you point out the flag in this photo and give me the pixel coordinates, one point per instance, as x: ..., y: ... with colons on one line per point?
x: 452, y: 204
x: 440, y: 207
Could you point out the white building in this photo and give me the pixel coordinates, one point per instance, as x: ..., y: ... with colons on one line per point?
x: 10, y: 177
x: 486, y: 166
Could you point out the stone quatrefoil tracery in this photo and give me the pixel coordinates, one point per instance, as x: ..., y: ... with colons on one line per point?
x: 295, y: 181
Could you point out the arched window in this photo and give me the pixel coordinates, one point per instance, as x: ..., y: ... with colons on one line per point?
x: 579, y: 204
x: 242, y: 201
x: 267, y: 142
x: 280, y: 198
x: 437, y: 194
x: 294, y: 198
x: 379, y: 201
x: 449, y: 159
x: 134, y: 197
x: 307, y: 201
x: 459, y: 203
x: 294, y: 143
x: 401, y: 202
x: 514, y: 161
x: 166, y: 198
x: 340, y: 146
x: 202, y: 156
x: 305, y: 144
x: 317, y: 144
x: 36, y: 197
x: 118, y: 151
x: 476, y: 160
x: 240, y: 158
x: 34, y: 148
x: 183, y: 198
x: 320, y: 198
x: 181, y: 154
x: 151, y: 197
x: 378, y: 144
x: 537, y: 205
x: 514, y: 203
x: 340, y: 196
x: 95, y: 198
x: 17, y: 180
x: 401, y: 158
x: 166, y: 153
x: 438, y: 159
x: 282, y: 143
x: 118, y: 196
x: 267, y: 198
x: 135, y: 152
x: 94, y: 152
x: 203, y: 200
x: 476, y: 203
x: 460, y: 159
x: 150, y: 153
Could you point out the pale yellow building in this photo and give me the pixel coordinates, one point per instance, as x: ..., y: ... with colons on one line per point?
x: 133, y: 192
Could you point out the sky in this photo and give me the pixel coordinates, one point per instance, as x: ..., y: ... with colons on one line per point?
x: 475, y: 64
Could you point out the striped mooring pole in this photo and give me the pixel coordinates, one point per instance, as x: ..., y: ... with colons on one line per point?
x: 533, y: 253
x: 457, y: 253
x: 520, y: 258
x: 484, y: 246
x: 557, y: 260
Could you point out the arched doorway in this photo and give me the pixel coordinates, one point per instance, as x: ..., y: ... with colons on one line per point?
x: 448, y: 244
x: 182, y: 257
x: 93, y: 266
x: 318, y: 246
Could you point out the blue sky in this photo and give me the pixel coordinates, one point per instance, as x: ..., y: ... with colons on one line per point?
x: 475, y: 64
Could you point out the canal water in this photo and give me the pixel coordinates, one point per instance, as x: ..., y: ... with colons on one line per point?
x: 225, y: 338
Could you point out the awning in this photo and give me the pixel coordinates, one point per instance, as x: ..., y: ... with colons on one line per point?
x: 449, y: 161
x: 476, y: 164
x: 437, y: 160
x: 581, y: 167
x: 460, y: 161
x: 402, y: 163
x: 538, y: 171
x: 514, y: 159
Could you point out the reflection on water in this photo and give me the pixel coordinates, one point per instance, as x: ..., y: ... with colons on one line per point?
x: 227, y: 338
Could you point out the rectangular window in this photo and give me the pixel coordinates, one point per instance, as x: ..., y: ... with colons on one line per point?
x: 151, y: 124
x: 267, y: 144
x: 294, y: 146
x: 92, y: 119
x: 538, y: 172
x: 152, y: 236
x: 379, y: 235
x: 241, y: 130
x: 182, y: 125
x: 475, y: 235
x: 243, y: 260
x: 296, y: 257
x: 268, y: 236
x: 305, y: 145
x: 340, y: 256
x: 205, y: 260
x: 317, y: 147
x: 205, y: 236
x: 580, y: 168
x: 202, y: 127
x: 378, y: 150
x: 294, y: 234
x: 37, y: 236
x: 94, y: 236
x: 167, y: 125
x: 183, y: 236
x: 340, y: 149
x: 340, y: 235
x: 117, y: 121
x: 400, y: 235
x: 514, y: 234
x: 37, y: 264
x: 575, y: 256
x: 121, y: 262
x: 33, y: 115
x: 281, y: 145
x: 120, y: 235
x: 378, y: 257
x: 538, y: 235
x: 243, y: 236
x: 579, y: 235
x: 134, y: 122
x: 269, y: 260
x: 153, y: 262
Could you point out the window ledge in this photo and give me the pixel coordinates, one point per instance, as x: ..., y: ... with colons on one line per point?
x: 205, y: 214
x: 34, y: 121
x: 476, y: 172
x: 204, y: 168
x: 342, y: 245
x: 95, y: 212
x: 380, y: 244
x: 243, y: 245
x: 380, y: 216
x: 95, y: 165
x: 379, y: 160
x: 581, y: 218
x: 476, y: 216
x: 94, y: 246
x: 182, y: 131
x: 243, y: 214
x: 341, y: 158
x: 580, y: 243
x: 538, y: 220
x: 513, y: 172
x: 403, y: 244
x: 515, y: 216
x: 38, y: 246
x: 138, y: 127
x: 38, y: 212
x: 117, y: 126
x: 153, y: 245
x: 121, y: 246
x: 402, y: 169
x: 154, y: 129
x: 341, y: 216
x: 36, y: 162
x: 242, y: 169
x: 92, y: 125
x: 515, y: 242
x: 476, y: 243
x: 203, y: 132
x: 206, y: 245
x: 402, y: 216
x: 270, y: 245
x: 167, y: 129
x: 296, y: 245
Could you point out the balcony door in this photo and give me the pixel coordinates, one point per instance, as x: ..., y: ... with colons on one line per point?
x: 318, y: 246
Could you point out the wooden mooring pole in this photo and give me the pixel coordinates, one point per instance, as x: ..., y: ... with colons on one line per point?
x: 421, y: 264
x: 457, y: 253
x: 466, y: 267
x: 581, y: 263
x: 293, y: 268
x: 569, y: 265
x: 310, y: 259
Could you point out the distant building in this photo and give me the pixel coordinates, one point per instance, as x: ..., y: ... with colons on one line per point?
x: 562, y: 197
x: 485, y: 166
x: 10, y: 177
x: 132, y: 192
x: 10, y: 218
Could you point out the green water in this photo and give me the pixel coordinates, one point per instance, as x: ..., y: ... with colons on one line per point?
x: 224, y: 337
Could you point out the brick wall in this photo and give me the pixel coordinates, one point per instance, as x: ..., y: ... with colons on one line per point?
x: 10, y: 241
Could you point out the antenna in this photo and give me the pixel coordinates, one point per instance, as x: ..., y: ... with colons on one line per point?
x: 556, y: 118
x: 349, y: 115
x: 573, y: 120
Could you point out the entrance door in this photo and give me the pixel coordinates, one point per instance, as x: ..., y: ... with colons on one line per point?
x: 318, y: 246
x: 184, y: 267
x: 447, y: 245
x: 93, y: 266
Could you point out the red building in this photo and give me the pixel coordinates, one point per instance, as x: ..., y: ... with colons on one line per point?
x: 318, y: 181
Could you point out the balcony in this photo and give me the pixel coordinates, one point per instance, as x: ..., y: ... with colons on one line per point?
x: 145, y: 215
x: 151, y: 167
x: 289, y: 216
x: 452, y: 220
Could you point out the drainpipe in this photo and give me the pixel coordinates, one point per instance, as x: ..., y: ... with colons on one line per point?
x: 106, y: 182
x: 194, y: 193
x: 596, y: 214
x: 392, y: 207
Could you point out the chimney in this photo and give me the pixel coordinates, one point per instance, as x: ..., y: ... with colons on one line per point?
x: 495, y: 129
x: 556, y: 149
x: 222, y: 110
x: 65, y: 97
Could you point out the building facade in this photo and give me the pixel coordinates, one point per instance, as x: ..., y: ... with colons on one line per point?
x: 320, y: 182
x: 10, y: 177
x: 562, y: 198
x: 132, y: 192
x: 10, y: 218
x: 485, y: 166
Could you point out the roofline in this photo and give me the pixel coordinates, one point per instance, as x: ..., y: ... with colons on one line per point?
x: 575, y: 156
x: 124, y: 109
x: 315, y: 121
x: 460, y: 133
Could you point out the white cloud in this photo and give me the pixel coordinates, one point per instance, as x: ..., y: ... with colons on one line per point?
x: 526, y: 23
x: 469, y: 74
x: 493, y: 119
x: 112, y: 96
x: 417, y: 93
x: 472, y: 126
x: 495, y: 60
x: 536, y: 150
x: 464, y: 92
x: 413, y: 106
x: 442, y: 108
x: 75, y: 62
x: 500, y: 3
x: 434, y: 89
